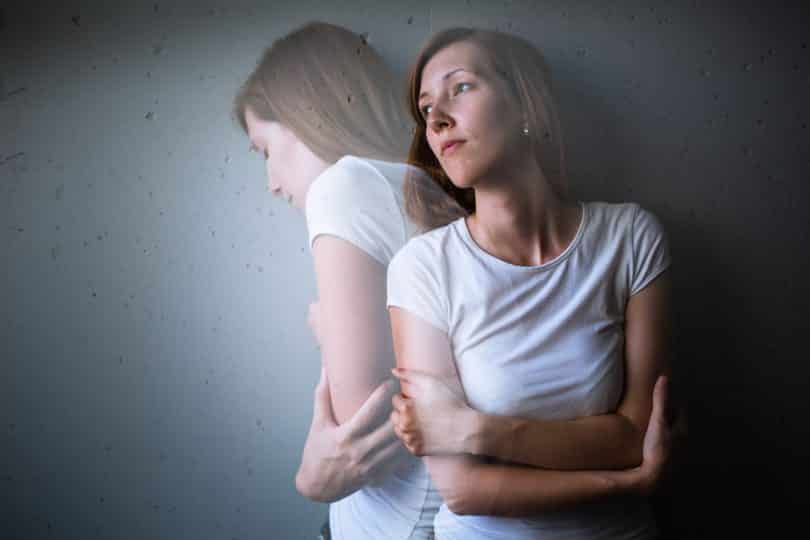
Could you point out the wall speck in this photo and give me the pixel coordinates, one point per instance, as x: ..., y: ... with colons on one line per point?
x: 20, y: 229
x: 60, y: 190
x: 55, y: 251
x: 157, y: 49
x: 156, y: 8
x: 149, y: 115
x: 17, y: 91
x: 76, y: 19
x: 748, y: 67
x: 12, y: 156
x: 410, y: 20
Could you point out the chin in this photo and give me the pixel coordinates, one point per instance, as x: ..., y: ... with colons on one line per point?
x: 461, y: 177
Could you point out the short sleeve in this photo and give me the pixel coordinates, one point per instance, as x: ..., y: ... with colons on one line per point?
x: 413, y: 286
x: 353, y: 201
x: 650, y: 249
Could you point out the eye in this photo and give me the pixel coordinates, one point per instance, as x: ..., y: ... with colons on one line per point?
x: 461, y: 87
x: 425, y: 110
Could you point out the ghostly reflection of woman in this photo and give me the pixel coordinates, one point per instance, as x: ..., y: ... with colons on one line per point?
x: 531, y: 333
x: 322, y: 108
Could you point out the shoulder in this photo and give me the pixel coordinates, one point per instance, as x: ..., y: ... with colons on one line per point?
x: 345, y: 175
x: 425, y: 250
x: 351, y: 183
x: 625, y: 218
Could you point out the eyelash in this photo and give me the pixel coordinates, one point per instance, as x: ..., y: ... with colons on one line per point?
x: 264, y: 153
x: 456, y: 91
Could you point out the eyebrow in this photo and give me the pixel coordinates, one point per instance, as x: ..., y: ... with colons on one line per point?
x: 444, y: 78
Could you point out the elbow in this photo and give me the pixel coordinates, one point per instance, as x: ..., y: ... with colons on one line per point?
x: 459, y: 505
x: 462, y: 502
x: 302, y: 485
x: 308, y: 488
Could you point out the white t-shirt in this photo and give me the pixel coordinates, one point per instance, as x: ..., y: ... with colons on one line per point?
x: 540, y: 342
x: 360, y: 201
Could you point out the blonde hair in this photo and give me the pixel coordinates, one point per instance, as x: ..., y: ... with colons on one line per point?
x: 329, y: 87
x: 527, y: 75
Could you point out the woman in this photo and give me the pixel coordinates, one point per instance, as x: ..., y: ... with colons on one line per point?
x: 548, y: 317
x: 321, y: 108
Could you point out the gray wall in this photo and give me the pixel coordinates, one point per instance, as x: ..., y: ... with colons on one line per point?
x: 155, y: 365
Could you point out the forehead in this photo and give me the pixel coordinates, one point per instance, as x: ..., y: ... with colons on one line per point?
x: 256, y: 127
x: 462, y: 54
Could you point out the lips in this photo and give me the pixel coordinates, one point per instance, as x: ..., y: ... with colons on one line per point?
x: 450, y: 146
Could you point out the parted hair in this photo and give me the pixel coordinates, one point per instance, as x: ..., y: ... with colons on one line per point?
x: 333, y: 91
x: 525, y: 71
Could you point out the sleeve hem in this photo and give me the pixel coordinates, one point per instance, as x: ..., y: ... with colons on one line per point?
x: 652, y: 275
x: 438, y: 325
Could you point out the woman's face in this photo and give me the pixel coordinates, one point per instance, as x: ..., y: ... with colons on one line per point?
x: 473, y: 123
x: 291, y: 166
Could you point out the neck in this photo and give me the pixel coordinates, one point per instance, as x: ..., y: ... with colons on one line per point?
x: 522, y: 220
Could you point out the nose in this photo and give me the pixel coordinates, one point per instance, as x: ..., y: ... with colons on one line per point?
x: 439, y: 120
x: 272, y: 185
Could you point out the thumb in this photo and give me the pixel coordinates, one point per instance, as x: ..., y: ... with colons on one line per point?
x: 322, y: 408
x: 660, y: 400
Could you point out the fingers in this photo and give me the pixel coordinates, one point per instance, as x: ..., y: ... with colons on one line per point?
x: 371, y: 410
x: 386, y: 460
x: 381, y: 437
x: 410, y: 378
x: 410, y: 437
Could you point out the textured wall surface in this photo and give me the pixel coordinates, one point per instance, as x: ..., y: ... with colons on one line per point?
x: 155, y: 365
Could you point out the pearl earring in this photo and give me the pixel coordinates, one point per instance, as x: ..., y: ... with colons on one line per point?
x: 525, y: 129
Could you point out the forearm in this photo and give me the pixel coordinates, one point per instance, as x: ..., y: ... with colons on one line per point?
x: 517, y: 491
x: 609, y: 441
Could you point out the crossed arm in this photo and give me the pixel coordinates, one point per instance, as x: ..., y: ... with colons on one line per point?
x: 576, y: 449
x: 351, y: 442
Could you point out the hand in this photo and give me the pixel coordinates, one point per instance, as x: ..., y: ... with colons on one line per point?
x: 663, y: 439
x: 314, y: 320
x: 339, y: 459
x: 431, y: 416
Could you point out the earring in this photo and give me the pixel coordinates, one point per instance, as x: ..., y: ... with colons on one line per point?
x: 525, y: 129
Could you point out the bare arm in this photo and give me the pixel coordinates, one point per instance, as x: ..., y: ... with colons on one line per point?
x: 349, y: 443
x: 340, y: 459
x: 608, y: 441
x: 468, y: 484
x: 354, y: 332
